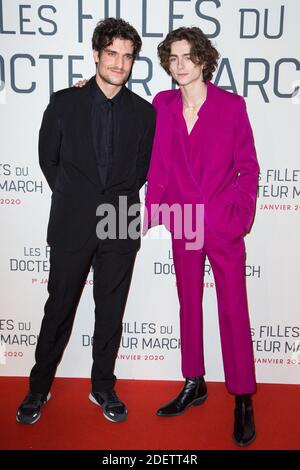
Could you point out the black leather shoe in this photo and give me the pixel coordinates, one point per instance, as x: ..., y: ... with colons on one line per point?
x: 194, y: 393
x: 244, y: 427
x: 113, y: 408
x: 30, y: 409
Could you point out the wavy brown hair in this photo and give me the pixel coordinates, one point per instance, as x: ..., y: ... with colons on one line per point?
x: 202, y: 50
x: 111, y: 28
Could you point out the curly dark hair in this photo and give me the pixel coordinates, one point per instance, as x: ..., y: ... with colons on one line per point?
x: 111, y: 28
x: 202, y: 50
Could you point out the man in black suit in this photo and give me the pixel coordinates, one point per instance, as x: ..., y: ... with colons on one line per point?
x: 94, y: 150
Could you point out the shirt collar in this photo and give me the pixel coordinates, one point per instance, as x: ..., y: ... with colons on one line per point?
x: 100, y: 97
x: 177, y: 104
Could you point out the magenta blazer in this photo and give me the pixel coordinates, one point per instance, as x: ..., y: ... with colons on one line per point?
x: 228, y: 176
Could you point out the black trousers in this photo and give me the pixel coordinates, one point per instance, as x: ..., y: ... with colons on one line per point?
x: 68, y: 273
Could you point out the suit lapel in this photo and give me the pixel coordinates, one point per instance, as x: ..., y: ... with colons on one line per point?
x: 168, y: 112
x: 88, y: 162
x: 165, y: 134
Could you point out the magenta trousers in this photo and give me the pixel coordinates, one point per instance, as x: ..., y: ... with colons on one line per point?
x: 227, y: 259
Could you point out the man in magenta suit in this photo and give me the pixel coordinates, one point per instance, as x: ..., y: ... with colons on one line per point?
x: 204, y: 153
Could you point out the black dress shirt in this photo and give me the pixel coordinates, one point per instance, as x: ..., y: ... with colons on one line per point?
x: 105, y: 125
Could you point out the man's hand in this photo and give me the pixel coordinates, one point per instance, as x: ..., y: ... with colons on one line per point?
x: 81, y: 83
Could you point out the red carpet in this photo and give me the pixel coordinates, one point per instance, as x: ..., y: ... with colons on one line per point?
x: 71, y: 421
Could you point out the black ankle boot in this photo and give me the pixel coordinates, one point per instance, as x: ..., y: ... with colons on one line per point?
x: 244, y: 427
x: 193, y: 393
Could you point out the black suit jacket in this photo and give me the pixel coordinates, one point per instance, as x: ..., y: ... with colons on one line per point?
x: 68, y: 160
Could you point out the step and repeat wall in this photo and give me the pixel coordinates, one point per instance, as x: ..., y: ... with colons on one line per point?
x: 46, y: 46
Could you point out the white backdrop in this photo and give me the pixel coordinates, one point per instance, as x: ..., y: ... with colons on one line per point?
x: 45, y: 47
